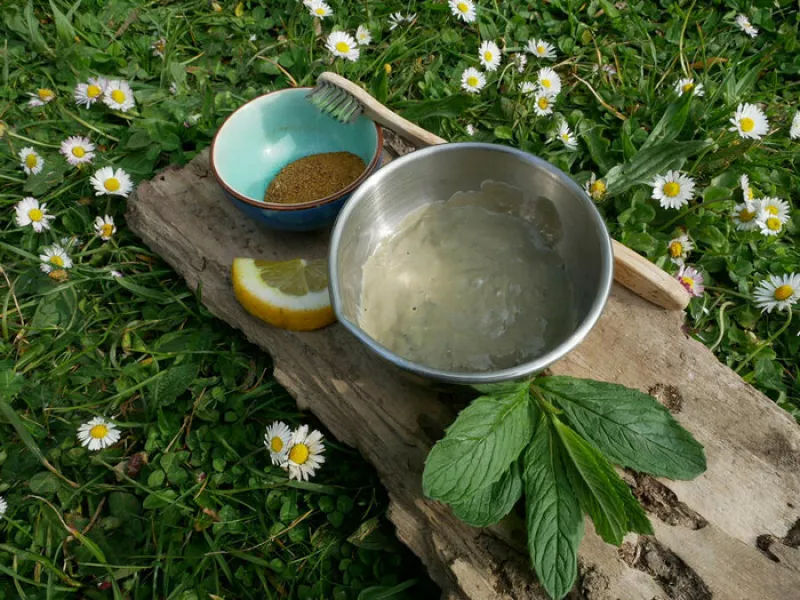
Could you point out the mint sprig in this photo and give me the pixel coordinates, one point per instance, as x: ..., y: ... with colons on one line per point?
x: 556, y: 439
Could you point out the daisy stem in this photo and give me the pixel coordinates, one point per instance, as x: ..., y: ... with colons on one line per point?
x: 722, y: 308
x: 14, y: 179
x: 727, y: 291
x: 30, y: 141
x: 765, y: 343
x: 691, y: 209
x: 89, y: 125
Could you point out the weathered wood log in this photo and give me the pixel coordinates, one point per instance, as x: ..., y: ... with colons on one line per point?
x: 732, y: 533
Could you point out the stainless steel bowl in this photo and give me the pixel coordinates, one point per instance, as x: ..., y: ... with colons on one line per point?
x: 377, y: 208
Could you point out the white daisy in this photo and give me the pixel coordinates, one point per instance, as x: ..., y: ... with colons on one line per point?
x: 549, y: 81
x: 173, y: 88
x: 397, y: 19
x: 489, y: 55
x: 77, y: 150
x: 744, y: 24
x: 541, y: 49
x: 777, y: 292
x: 566, y: 136
x: 745, y: 215
x: 775, y: 207
x: 305, y: 454
x: 470, y: 129
x: 104, y: 227
x: 794, y: 132
x: 363, y: 36
x: 118, y: 95
x: 318, y: 8
x: 543, y: 103
x: 3, y: 507
x: 55, y: 258
x: 520, y: 61
x: 691, y: 279
x: 684, y: 86
x: 111, y: 182
x: 41, y: 97
x: 342, y: 44
x: 747, y: 191
x: 159, y: 47
x: 115, y: 274
x: 463, y: 9
x: 595, y: 187
x: 30, y: 212
x: 472, y: 80
x: 769, y: 224
x: 98, y: 434
x: 30, y: 161
x: 750, y: 121
x: 278, y: 440
x: 528, y: 88
x: 679, y: 248
x: 673, y: 190
x: 88, y: 93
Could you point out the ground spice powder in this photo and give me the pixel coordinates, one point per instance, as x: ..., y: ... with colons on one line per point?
x: 314, y: 177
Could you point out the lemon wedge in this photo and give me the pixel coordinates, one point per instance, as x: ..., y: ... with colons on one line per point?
x: 291, y: 294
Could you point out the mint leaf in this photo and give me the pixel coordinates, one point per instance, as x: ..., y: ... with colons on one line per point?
x: 554, y: 518
x: 628, y: 426
x: 635, y: 514
x: 590, y: 476
x: 479, y: 446
x: 490, y: 504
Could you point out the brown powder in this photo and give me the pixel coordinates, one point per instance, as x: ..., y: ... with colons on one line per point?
x: 314, y: 177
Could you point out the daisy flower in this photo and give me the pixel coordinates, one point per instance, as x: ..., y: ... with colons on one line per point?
x: 750, y: 122
x: 595, y: 187
x: 673, y: 190
x: 470, y: 129
x: 115, y: 274
x: 775, y: 207
x: 3, y: 507
x: 55, y: 257
x: 691, y: 279
x: 397, y: 19
x: 472, y: 80
x: 541, y: 49
x: 104, y: 227
x: 777, y: 292
x: 745, y: 215
x: 30, y: 161
x: 88, y: 93
x: 318, y: 8
x: 342, y: 44
x: 684, y: 86
x: 30, y: 212
x: 747, y: 191
x: 744, y: 24
x: 305, y: 454
x: 528, y: 88
x: 158, y: 47
x: 520, y: 61
x: 363, y: 36
x: 111, y: 182
x: 278, y: 439
x: 41, y: 97
x: 118, y: 95
x: 549, y: 81
x: 566, y: 136
x: 543, y: 103
x: 794, y: 132
x: 679, y: 248
x: 463, y: 9
x: 489, y: 55
x: 769, y: 224
x: 173, y: 88
x: 98, y: 434
x: 77, y: 150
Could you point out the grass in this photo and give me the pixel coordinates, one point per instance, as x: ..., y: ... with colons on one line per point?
x: 187, y: 505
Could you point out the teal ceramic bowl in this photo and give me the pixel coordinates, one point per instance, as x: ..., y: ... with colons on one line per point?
x: 261, y: 137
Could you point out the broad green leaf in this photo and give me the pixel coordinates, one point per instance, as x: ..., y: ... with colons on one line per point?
x: 123, y: 505
x: 12, y: 417
x: 629, y: 426
x: 173, y: 383
x: 386, y: 592
x: 671, y: 123
x: 44, y: 484
x: 714, y: 193
x: 479, y: 446
x: 449, y: 107
x: 596, y: 143
x: 553, y: 515
x: 64, y: 29
x: 489, y: 505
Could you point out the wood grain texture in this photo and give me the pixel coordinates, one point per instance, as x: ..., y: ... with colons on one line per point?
x: 648, y: 280
x: 708, y: 531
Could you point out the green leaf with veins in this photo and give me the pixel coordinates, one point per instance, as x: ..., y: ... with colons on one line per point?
x: 490, y: 504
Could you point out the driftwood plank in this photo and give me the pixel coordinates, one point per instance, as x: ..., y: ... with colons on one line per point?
x: 732, y: 533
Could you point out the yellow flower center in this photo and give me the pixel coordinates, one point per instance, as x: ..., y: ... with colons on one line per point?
x: 750, y: 194
x: 540, y: 49
x: 98, y: 432
x: 342, y: 47
x: 387, y: 68
x: 675, y: 249
x: 462, y: 6
x: 276, y: 444
x: 565, y: 137
x: 672, y: 189
x: 487, y: 56
x: 598, y: 188
x: 57, y: 261
x: 93, y: 91
x: 118, y: 96
x: 543, y: 102
x: 546, y: 83
x: 31, y: 161
x: 688, y: 282
x: 774, y: 224
x: 773, y: 210
x: 688, y: 87
x: 107, y: 230
x: 320, y: 11
x: 46, y: 94
x: 78, y: 152
x: 746, y: 215
x: 35, y: 214
x: 747, y: 124
x: 299, y: 454
x: 472, y: 81
x: 111, y: 184
x: 783, y: 292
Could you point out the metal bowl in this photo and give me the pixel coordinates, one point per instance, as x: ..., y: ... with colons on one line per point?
x: 377, y: 208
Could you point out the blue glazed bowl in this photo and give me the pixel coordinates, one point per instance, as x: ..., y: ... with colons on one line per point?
x: 261, y: 137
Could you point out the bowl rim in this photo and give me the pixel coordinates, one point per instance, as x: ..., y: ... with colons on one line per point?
x: 290, y: 207
x: 517, y: 372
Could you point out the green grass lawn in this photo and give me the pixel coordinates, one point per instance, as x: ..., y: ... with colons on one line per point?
x: 187, y: 504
